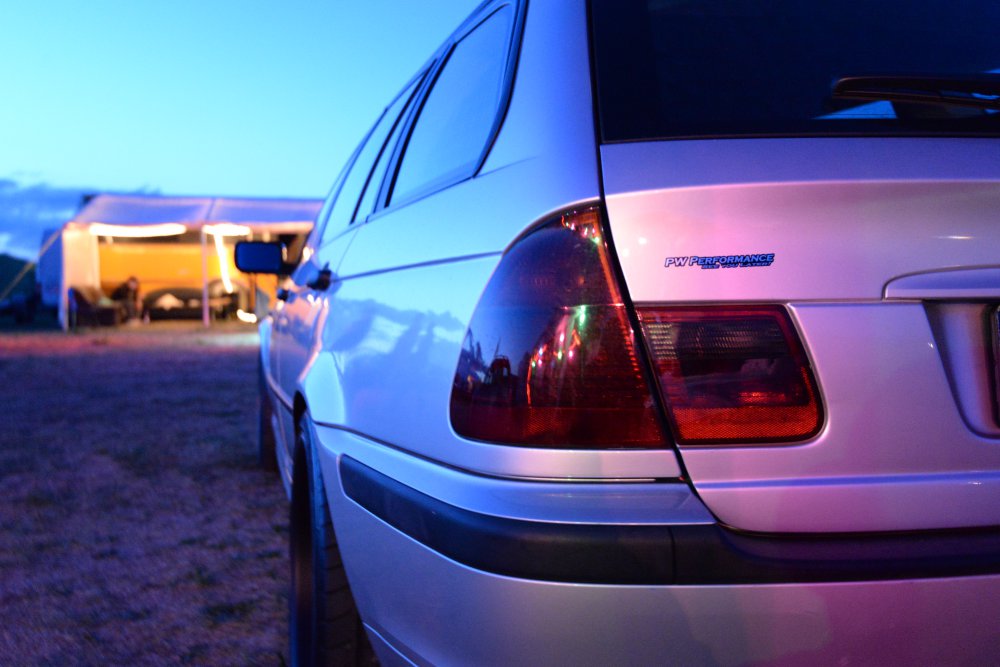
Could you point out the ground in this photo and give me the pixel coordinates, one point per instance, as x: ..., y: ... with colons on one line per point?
x: 135, y: 526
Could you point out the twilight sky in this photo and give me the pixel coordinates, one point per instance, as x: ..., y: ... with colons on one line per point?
x: 227, y: 97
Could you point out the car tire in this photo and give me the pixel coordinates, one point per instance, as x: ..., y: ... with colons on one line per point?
x: 266, y: 447
x: 324, y: 624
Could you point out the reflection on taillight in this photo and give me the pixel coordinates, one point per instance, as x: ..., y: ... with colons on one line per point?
x: 732, y: 375
x: 550, y: 357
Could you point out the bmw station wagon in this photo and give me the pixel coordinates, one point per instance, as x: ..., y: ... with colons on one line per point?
x: 654, y: 332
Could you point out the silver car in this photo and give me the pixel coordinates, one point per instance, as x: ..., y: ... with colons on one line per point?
x: 654, y: 332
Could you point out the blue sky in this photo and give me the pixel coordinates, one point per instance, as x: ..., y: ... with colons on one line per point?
x: 228, y: 97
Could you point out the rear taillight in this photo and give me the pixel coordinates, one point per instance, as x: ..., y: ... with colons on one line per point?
x: 549, y: 358
x: 995, y: 326
x: 732, y: 375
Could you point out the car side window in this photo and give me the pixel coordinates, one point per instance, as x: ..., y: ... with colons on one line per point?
x: 396, y: 112
x: 346, y: 200
x: 458, y: 115
x: 319, y: 227
x: 346, y: 203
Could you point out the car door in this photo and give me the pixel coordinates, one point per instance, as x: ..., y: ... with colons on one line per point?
x: 302, y: 304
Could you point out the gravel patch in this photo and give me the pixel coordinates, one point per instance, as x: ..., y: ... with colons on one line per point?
x: 135, y: 527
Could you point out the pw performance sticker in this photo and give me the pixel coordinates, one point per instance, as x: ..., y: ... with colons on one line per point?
x: 721, y: 261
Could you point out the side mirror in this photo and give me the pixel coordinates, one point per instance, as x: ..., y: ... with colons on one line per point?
x: 261, y: 257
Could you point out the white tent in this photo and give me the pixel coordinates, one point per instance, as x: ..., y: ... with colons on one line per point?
x: 74, y: 259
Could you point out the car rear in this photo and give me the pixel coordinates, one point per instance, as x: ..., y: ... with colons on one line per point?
x: 740, y: 405
x: 867, y: 228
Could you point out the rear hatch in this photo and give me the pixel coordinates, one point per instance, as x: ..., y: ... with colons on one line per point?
x: 873, y: 223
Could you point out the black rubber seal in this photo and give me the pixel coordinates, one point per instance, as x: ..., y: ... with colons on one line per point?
x: 525, y: 549
x: 660, y: 555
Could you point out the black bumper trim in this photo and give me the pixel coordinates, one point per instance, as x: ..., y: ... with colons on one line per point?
x: 660, y: 555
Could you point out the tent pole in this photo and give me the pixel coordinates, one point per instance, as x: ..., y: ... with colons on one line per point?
x: 204, y: 279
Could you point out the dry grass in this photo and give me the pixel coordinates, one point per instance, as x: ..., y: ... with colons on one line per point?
x: 135, y: 527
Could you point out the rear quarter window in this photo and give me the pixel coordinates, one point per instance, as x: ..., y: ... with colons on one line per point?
x: 396, y: 113
x: 459, y: 113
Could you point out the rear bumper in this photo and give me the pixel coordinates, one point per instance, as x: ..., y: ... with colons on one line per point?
x: 445, y: 584
x: 688, y: 554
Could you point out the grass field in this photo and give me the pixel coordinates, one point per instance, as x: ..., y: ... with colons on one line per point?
x: 135, y: 527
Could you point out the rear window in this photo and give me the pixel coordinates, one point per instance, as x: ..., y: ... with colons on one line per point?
x: 695, y: 68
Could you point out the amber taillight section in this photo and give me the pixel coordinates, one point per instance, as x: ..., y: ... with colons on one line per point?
x: 732, y: 375
x: 549, y: 358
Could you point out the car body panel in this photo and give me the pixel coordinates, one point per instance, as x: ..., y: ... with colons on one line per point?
x: 887, y: 459
x: 569, y: 502
x: 291, y: 335
x: 408, y: 333
x: 434, y: 611
x: 272, y: 392
x: 841, y: 219
x: 555, y: 152
x: 415, y: 273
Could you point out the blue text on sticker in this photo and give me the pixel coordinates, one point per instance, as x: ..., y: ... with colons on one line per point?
x: 722, y: 261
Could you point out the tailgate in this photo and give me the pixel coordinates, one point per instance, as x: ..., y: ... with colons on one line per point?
x: 886, y: 255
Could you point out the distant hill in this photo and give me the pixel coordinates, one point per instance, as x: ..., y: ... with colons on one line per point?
x: 9, y: 268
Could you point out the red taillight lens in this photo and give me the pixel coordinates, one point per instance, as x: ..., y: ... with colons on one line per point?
x: 732, y: 375
x: 550, y: 357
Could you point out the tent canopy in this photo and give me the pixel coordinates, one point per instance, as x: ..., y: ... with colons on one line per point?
x: 112, y: 215
x: 195, y: 212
